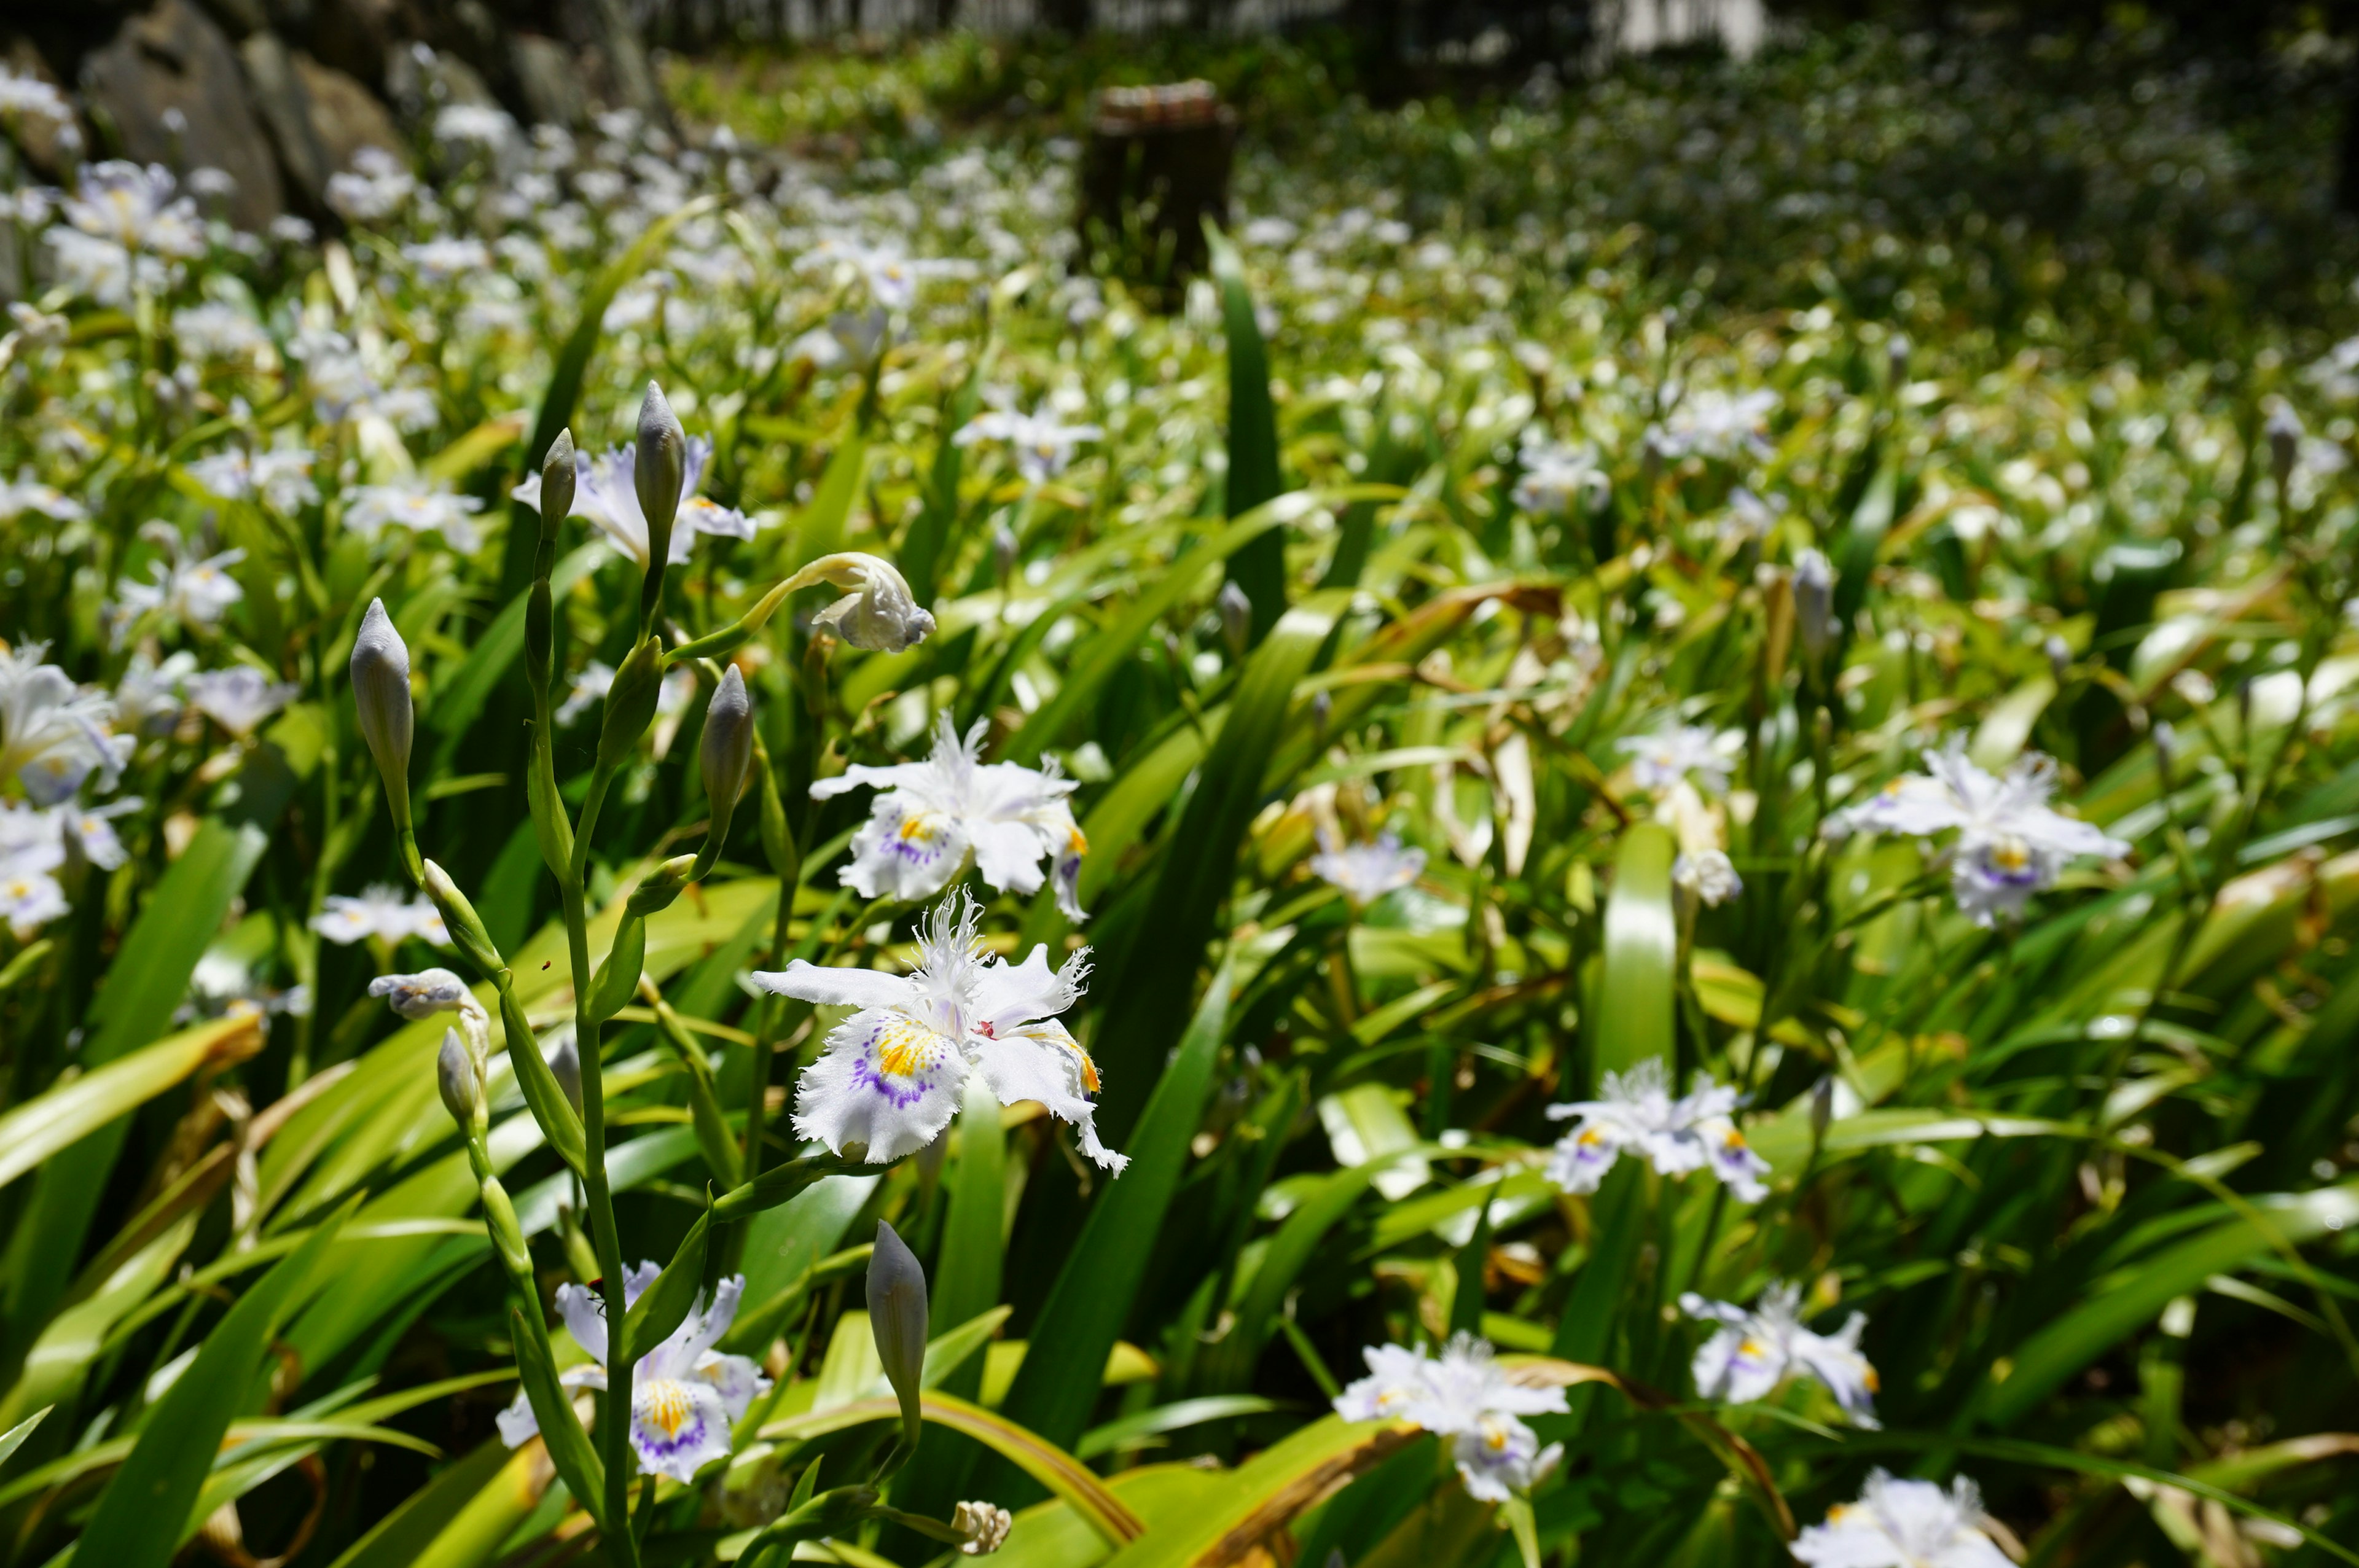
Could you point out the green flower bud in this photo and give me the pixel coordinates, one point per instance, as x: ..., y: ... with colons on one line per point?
x: 557, y: 477
x: 664, y: 885
x: 454, y: 1075
x: 564, y: 1059
x: 465, y: 926
x: 725, y: 756
x: 660, y: 470
x: 380, y: 678
x: 897, y: 1317
x: 540, y: 638
x: 630, y: 704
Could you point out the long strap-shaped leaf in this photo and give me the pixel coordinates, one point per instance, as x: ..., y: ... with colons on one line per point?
x: 1045, y: 1462
x: 1151, y: 983
x: 32, y: 1132
x: 1259, y: 569
x: 146, y: 1509
x: 1267, y: 1493
x: 1743, y: 1460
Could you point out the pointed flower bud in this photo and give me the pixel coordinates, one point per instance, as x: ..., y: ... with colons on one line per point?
x: 380, y: 677
x: 1004, y: 547
x: 1823, y: 1109
x: 557, y: 479
x: 897, y: 1317
x: 466, y: 927
x: 630, y: 704
x: 2059, y: 658
x: 454, y: 1075
x: 1814, y: 588
x: 1236, y: 618
x: 2284, y: 432
x: 564, y: 1059
x: 661, y: 468
x: 727, y: 750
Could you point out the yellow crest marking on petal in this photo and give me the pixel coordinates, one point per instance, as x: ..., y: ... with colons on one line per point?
x: 904, y: 1050
x: 669, y: 1407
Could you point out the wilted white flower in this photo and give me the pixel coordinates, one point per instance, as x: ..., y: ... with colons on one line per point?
x: 879, y: 614
x: 54, y: 735
x: 424, y: 994
x: 379, y: 914
x: 1663, y: 758
x: 1753, y: 1351
x: 930, y: 817
x: 420, y: 504
x: 685, y: 1395
x: 984, y: 1525
x: 2010, y: 842
x: 894, y: 1073
x: 1366, y: 871
x: 1903, y: 1524
x: 239, y: 697
x: 1707, y: 876
x: 1042, y: 443
x: 1637, y: 1112
x: 1463, y: 1395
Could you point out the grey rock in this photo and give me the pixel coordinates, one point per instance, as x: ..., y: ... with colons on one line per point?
x: 173, y: 57
x: 550, y: 79
x: 285, y: 106
x: 238, y: 18
x: 345, y: 116
x: 362, y: 38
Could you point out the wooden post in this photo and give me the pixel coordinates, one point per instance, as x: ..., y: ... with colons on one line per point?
x: 1156, y: 167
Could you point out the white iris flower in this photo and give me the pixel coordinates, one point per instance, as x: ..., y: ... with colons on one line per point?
x: 933, y: 815
x: 2010, y: 843
x: 684, y: 1393
x: 30, y: 851
x: 1366, y: 871
x: 1693, y: 1133
x: 239, y: 697
x: 379, y: 914
x: 1663, y: 758
x: 1464, y: 1396
x: 54, y: 735
x: 894, y: 1073
x: 1043, y: 445
x: 1903, y: 1524
x: 1753, y: 1351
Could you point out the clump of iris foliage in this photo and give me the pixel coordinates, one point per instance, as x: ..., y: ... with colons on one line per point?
x: 1641, y: 849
